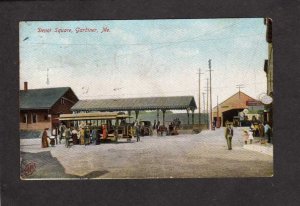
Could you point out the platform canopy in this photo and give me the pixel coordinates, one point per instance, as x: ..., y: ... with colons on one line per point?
x: 137, y: 104
x: 92, y: 116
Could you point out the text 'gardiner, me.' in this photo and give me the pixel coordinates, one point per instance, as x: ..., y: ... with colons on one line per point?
x: 76, y: 30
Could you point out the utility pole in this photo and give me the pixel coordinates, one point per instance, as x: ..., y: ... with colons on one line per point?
x: 239, y: 86
x: 203, y: 94
x: 218, y: 119
x: 207, y: 103
x: 211, y: 117
x: 48, y: 81
x: 199, y: 114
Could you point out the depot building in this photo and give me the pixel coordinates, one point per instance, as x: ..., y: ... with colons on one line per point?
x: 233, y: 109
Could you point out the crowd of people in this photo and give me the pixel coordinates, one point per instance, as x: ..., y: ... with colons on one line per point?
x: 257, y: 129
x: 84, y: 134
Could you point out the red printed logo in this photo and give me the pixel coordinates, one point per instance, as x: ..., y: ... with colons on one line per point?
x: 27, y: 168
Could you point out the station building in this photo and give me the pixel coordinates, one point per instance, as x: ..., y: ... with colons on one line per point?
x: 231, y: 107
x: 40, y: 108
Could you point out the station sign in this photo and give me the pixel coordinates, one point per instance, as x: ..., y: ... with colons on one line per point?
x: 256, y: 108
x: 253, y: 103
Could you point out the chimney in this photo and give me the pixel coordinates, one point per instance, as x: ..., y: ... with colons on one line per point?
x: 25, y: 86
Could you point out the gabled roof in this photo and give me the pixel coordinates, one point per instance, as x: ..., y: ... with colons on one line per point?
x: 41, y: 98
x: 237, y: 100
x: 146, y: 103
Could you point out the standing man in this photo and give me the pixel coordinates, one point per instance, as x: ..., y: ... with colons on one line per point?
x: 229, y: 135
x: 137, y: 130
x: 261, y: 131
x: 61, y: 132
x: 268, y: 132
x: 154, y: 127
x: 94, y: 135
x: 86, y: 135
x: 67, y: 136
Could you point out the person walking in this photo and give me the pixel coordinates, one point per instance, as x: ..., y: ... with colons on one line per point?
x: 229, y: 135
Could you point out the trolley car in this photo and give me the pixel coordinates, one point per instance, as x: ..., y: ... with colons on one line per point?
x: 110, y: 125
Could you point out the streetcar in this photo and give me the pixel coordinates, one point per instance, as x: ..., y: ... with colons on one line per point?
x: 111, y: 126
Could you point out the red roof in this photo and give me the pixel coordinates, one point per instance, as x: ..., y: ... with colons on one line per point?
x: 236, y: 101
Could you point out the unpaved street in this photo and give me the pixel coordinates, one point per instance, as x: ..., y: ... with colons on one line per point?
x: 183, y: 156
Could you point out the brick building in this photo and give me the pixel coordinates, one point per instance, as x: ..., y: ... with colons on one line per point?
x: 39, y: 108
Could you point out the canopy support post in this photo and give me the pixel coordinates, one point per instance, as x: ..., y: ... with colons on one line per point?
x: 136, y: 114
x: 188, y: 115
x: 193, y: 116
x: 164, y: 112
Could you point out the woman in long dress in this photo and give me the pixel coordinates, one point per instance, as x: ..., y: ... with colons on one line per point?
x: 45, y: 139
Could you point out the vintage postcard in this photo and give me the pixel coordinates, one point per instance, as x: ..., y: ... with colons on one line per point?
x: 142, y: 99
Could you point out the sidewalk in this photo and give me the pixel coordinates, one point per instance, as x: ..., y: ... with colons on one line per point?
x: 265, y: 148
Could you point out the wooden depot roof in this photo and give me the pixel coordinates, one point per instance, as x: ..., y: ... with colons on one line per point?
x: 236, y: 101
x: 144, y: 103
x: 41, y: 98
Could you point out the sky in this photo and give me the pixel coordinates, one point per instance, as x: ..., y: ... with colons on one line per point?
x: 145, y: 58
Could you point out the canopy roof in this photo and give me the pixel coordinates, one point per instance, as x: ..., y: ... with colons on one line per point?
x: 92, y: 116
x: 145, y: 103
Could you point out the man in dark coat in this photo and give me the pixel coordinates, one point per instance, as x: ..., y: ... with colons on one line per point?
x: 67, y: 137
x: 229, y: 135
x: 137, y: 130
x: 87, y: 136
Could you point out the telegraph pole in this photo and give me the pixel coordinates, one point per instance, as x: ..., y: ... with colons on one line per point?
x: 239, y: 86
x: 199, y: 115
x: 48, y: 81
x: 203, y: 94
x: 218, y: 120
x: 211, y: 118
x: 207, y: 103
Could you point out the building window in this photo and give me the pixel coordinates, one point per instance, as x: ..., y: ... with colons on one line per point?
x: 46, y: 117
x: 24, y: 118
x: 62, y: 101
x: 34, y: 118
